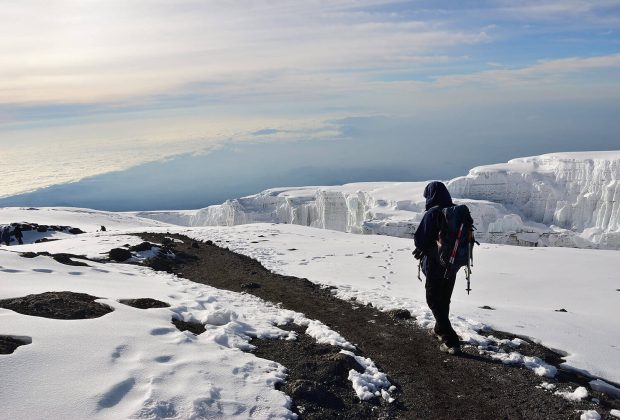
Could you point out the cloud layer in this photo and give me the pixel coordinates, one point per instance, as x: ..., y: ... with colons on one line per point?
x: 99, y: 85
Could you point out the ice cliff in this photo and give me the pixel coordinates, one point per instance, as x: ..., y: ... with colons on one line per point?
x: 561, y: 199
x: 569, y: 192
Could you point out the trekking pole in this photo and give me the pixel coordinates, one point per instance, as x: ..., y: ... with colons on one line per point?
x: 420, y: 270
x: 470, y: 261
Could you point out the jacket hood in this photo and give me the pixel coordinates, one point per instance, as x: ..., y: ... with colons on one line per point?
x: 437, y: 194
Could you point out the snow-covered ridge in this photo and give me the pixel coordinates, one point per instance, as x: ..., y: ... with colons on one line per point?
x: 563, y: 199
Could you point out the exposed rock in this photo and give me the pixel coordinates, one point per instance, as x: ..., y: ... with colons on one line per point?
x: 57, y: 305
x: 38, y: 241
x: 8, y: 343
x: 487, y: 307
x: 66, y: 259
x: 159, y: 263
x: 119, y: 254
x: 193, y: 327
x: 339, y: 365
x: 313, y: 392
x: 29, y: 254
x: 399, y: 314
x: 250, y: 285
x: 561, y: 310
x: 143, y: 246
x: 144, y: 303
x: 75, y: 231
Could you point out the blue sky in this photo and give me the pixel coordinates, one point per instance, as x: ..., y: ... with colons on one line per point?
x: 88, y: 88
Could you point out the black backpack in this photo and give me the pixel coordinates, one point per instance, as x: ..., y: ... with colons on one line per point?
x: 456, y: 237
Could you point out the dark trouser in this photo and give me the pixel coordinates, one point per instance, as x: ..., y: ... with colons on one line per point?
x: 438, y: 294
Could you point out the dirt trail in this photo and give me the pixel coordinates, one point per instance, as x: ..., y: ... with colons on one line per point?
x: 431, y: 384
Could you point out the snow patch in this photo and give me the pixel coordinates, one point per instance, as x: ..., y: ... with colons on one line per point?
x: 371, y: 383
x: 577, y: 395
x: 590, y: 415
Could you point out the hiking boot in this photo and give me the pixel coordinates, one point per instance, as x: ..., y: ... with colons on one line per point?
x: 450, y: 349
x: 432, y: 333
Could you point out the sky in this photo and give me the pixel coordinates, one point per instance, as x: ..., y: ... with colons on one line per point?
x: 102, y: 96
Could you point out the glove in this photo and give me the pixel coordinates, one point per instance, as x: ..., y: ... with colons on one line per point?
x: 418, y: 254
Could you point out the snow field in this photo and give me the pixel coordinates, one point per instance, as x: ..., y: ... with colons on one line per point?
x: 523, y: 286
x: 135, y: 363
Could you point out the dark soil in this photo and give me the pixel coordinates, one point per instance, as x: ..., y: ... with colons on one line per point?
x: 57, y: 305
x: 318, y: 379
x: 193, y: 327
x: 430, y: 384
x: 144, y: 303
x: 8, y: 344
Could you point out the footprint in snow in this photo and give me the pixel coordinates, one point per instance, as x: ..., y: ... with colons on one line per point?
x: 115, y: 394
x: 163, y: 359
x: 118, y: 351
x: 162, y: 331
x: 42, y: 270
x: 10, y: 270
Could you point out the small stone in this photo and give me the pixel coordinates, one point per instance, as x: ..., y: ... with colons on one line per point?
x: 399, y: 314
x: 250, y: 285
x: 561, y: 310
x: 487, y: 307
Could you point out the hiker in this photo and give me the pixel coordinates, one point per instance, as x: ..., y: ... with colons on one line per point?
x: 5, y: 234
x: 17, y: 232
x: 439, y: 281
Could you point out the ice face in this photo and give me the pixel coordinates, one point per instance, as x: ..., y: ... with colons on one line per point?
x: 579, y: 192
x: 567, y: 199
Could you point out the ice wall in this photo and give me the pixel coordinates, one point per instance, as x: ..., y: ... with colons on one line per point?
x: 561, y: 199
x: 346, y: 208
x: 570, y: 192
x: 393, y: 209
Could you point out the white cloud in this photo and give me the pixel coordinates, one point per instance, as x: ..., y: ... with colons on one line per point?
x: 543, y: 71
x: 77, y: 51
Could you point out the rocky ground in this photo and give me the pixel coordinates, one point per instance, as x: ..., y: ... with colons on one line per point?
x: 430, y: 384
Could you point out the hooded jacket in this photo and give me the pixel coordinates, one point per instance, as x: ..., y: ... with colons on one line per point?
x: 426, y: 236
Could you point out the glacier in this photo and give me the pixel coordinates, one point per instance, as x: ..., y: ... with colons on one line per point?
x: 558, y: 199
